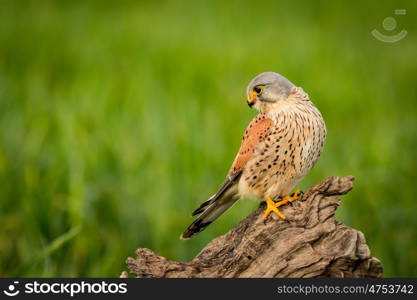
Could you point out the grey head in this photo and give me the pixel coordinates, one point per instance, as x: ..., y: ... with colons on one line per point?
x: 268, y: 87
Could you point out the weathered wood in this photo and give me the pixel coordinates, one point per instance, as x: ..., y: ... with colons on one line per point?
x: 310, y: 243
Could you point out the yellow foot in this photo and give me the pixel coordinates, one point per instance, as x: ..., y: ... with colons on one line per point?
x: 272, y: 206
x: 288, y: 198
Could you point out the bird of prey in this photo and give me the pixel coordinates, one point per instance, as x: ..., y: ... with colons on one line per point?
x: 279, y: 147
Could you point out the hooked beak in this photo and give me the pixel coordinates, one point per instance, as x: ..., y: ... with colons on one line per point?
x: 251, y: 99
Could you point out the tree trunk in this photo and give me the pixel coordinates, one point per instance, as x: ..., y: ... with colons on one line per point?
x: 310, y: 243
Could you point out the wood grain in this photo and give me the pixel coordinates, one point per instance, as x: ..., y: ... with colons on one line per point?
x: 310, y: 243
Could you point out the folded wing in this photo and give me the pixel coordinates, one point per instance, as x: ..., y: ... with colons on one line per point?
x: 228, y: 193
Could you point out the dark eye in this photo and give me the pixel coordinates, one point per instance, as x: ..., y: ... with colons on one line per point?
x: 258, y: 89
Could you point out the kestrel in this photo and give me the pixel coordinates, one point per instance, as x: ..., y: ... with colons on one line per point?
x: 279, y: 147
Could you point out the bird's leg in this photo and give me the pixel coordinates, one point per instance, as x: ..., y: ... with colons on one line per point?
x: 297, y: 193
x: 272, y: 206
x: 288, y: 199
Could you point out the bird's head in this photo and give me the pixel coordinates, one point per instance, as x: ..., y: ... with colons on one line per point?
x: 267, y: 89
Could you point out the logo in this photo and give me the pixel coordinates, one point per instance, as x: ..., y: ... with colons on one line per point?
x: 11, y: 289
x: 389, y: 24
x: 66, y: 287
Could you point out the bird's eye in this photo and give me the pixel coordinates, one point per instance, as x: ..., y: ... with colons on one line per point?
x: 258, y: 89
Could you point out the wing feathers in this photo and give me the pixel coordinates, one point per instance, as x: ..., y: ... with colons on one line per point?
x: 258, y: 129
x: 256, y: 132
x: 230, y: 180
x: 211, y: 213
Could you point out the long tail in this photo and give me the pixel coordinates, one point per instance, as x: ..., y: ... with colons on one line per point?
x: 211, y: 213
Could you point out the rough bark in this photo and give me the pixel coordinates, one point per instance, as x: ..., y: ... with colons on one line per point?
x: 310, y: 243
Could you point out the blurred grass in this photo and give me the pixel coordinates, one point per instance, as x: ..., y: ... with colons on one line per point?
x: 118, y: 119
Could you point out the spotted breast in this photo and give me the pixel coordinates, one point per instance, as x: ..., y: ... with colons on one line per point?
x: 288, y: 147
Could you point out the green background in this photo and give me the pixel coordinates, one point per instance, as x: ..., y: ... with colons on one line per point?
x: 117, y: 119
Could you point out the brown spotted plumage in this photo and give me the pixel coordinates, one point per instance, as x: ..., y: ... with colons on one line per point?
x: 256, y: 132
x: 279, y: 147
